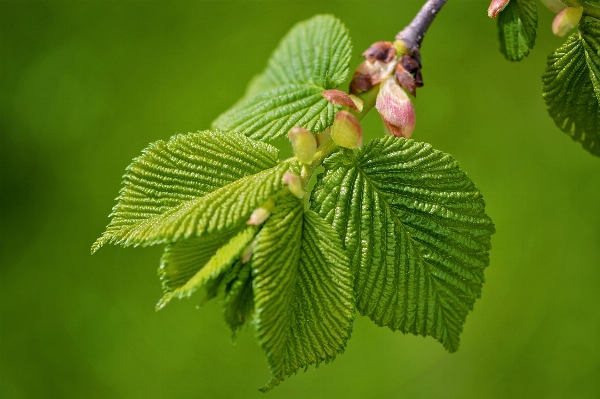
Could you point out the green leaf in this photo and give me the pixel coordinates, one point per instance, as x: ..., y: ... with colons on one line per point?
x: 517, y: 25
x: 271, y: 114
x: 239, y: 299
x: 415, y: 230
x: 302, y: 290
x: 311, y: 58
x: 195, y: 183
x: 572, y: 89
x: 189, y: 264
x: 316, y: 51
x: 590, y: 37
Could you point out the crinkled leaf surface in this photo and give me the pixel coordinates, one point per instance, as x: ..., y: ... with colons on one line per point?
x: 189, y: 264
x: 517, y: 25
x: 415, y: 230
x: 192, y: 184
x: 572, y: 89
x: 311, y: 58
x: 302, y: 290
x: 238, y: 304
x: 272, y: 113
x: 316, y: 51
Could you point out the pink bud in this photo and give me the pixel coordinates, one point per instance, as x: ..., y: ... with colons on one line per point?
x: 554, y: 5
x: 304, y: 144
x: 496, y: 6
x: 258, y: 216
x: 566, y: 20
x: 395, y: 109
x: 346, y: 130
x: 294, y: 184
x: 248, y: 252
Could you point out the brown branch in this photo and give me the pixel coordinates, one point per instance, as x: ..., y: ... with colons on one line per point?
x: 412, y: 36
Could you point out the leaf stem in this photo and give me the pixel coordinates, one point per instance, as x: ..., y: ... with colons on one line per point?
x: 588, y: 9
x: 324, y: 151
x: 412, y: 36
x: 369, y: 98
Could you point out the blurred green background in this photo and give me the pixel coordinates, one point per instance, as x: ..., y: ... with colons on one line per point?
x: 85, y: 86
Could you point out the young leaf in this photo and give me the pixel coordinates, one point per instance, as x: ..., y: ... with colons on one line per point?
x: 239, y: 299
x: 311, y: 58
x: 192, y: 184
x: 302, y: 290
x: 189, y: 264
x: 416, y: 233
x: 271, y: 114
x: 517, y: 25
x: 183, y: 259
x: 572, y: 87
x: 590, y: 38
x: 316, y: 51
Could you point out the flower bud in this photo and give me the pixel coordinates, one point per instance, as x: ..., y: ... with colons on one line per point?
x: 303, y: 143
x: 395, y: 109
x: 294, y: 184
x: 346, y: 130
x: 382, y: 51
x: 258, y: 216
x: 368, y: 74
x: 554, y: 5
x: 496, y: 6
x: 566, y: 20
x: 408, y: 74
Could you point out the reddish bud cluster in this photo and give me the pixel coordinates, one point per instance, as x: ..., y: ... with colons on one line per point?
x: 394, y: 75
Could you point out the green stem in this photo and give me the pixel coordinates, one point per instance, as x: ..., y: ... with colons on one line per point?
x: 588, y: 9
x: 369, y: 98
x: 324, y: 151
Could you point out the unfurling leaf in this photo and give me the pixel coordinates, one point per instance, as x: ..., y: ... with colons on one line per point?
x: 566, y: 20
x: 207, y: 256
x: 346, y: 130
x: 415, y: 230
x: 341, y: 98
x: 238, y: 305
x: 517, y: 24
x: 572, y: 87
x: 312, y: 58
x: 194, y: 184
x: 294, y: 184
x: 304, y: 144
x: 302, y: 290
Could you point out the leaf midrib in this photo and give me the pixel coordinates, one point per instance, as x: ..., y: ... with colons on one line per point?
x: 417, y: 251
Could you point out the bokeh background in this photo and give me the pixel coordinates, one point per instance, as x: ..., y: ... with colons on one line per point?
x: 85, y: 86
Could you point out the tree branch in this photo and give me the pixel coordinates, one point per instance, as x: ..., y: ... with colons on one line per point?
x: 413, y: 34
